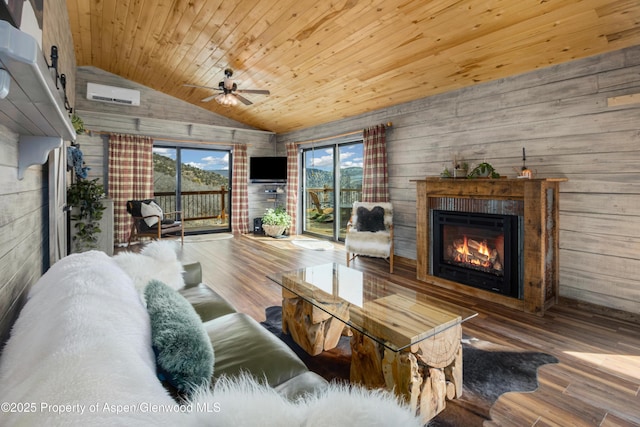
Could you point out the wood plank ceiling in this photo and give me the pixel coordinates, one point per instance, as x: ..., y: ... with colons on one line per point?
x: 323, y: 61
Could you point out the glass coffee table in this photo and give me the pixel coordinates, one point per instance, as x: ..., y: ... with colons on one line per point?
x: 403, y: 340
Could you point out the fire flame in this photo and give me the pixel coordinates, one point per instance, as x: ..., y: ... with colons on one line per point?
x: 484, y: 249
x: 464, y: 252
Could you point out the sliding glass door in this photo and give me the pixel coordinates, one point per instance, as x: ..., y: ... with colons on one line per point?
x: 350, y: 182
x: 332, y: 182
x: 196, y: 182
x: 318, y: 199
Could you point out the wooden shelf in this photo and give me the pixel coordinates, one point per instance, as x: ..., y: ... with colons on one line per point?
x: 541, y: 234
x: 30, y: 103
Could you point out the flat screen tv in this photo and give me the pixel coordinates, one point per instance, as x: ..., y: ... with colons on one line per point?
x: 268, y: 169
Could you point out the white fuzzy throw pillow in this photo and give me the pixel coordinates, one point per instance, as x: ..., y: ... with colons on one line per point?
x: 157, y: 261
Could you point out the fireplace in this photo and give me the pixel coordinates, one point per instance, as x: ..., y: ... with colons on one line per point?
x: 478, y: 249
x: 533, y: 201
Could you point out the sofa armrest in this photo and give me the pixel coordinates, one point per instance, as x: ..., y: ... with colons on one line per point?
x: 192, y: 274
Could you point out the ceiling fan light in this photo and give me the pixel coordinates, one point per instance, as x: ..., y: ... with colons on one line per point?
x: 226, y: 99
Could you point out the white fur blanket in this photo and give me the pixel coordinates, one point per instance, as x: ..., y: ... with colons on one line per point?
x: 243, y: 402
x: 80, y: 345
x: 157, y: 260
x: 80, y: 354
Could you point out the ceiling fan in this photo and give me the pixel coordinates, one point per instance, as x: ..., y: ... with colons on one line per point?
x: 229, y: 91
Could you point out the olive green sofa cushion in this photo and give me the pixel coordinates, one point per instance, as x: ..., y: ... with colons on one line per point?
x: 242, y: 345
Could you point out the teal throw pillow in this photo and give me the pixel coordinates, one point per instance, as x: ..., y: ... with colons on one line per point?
x: 184, y: 355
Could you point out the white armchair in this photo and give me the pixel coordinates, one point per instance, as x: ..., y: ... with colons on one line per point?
x: 370, y: 232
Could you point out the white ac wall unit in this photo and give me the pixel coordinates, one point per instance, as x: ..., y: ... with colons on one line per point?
x: 113, y: 95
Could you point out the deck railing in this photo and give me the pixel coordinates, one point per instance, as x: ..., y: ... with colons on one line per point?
x: 325, y: 196
x: 214, y: 204
x: 197, y: 205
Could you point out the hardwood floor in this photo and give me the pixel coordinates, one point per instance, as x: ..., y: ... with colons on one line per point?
x: 596, y: 383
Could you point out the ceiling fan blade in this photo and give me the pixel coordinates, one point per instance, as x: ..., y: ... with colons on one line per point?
x: 208, y: 98
x: 201, y: 87
x: 256, y: 91
x: 242, y: 99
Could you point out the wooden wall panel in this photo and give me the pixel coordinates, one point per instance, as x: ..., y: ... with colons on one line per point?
x: 560, y: 114
x: 21, y: 230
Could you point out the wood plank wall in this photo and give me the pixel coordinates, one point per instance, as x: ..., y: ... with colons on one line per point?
x: 24, y: 203
x: 22, y: 233
x: 166, y: 117
x: 560, y: 114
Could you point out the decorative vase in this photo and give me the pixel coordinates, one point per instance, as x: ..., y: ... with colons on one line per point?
x: 273, y: 230
x: 459, y: 173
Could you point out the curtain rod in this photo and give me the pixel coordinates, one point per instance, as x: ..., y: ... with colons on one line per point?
x: 355, y: 132
x: 189, y: 141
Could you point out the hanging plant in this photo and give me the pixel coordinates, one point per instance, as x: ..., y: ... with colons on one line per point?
x: 78, y: 124
x: 86, y: 196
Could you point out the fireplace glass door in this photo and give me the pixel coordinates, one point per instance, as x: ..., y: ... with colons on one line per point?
x: 480, y: 250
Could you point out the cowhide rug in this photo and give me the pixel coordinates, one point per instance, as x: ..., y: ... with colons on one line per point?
x: 489, y: 370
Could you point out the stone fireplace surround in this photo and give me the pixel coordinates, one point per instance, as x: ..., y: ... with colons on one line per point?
x: 540, y: 234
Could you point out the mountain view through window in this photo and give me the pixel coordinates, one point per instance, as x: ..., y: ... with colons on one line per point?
x: 196, y: 182
x: 331, y: 187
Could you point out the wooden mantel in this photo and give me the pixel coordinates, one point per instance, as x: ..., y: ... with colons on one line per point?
x: 541, y: 234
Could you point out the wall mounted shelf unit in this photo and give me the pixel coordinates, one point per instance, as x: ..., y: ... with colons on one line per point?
x: 30, y: 103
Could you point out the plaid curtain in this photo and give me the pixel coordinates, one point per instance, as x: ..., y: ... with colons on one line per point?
x: 292, y: 185
x: 130, y: 177
x: 375, y: 177
x: 239, y: 192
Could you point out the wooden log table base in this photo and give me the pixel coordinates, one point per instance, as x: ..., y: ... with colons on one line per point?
x: 312, y: 329
x: 426, y: 374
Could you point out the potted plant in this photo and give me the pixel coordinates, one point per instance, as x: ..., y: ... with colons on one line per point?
x: 483, y: 170
x: 459, y: 168
x: 85, y: 198
x: 276, y: 221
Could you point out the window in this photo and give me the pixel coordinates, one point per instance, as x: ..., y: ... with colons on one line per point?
x: 196, y: 182
x: 332, y: 182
